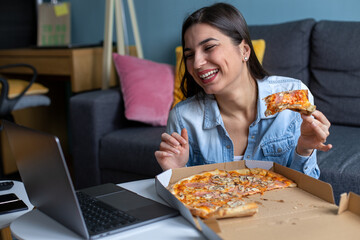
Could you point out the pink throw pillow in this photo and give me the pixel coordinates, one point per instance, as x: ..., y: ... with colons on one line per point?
x: 147, y: 89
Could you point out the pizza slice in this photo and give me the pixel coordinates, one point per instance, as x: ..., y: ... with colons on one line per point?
x: 234, y: 208
x: 268, y: 180
x: 219, y: 207
x: 295, y: 100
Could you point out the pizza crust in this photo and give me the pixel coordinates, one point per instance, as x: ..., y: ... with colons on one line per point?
x: 307, y: 110
x: 199, y: 212
x: 245, y: 210
x: 243, y: 171
x: 242, y: 210
x: 259, y: 171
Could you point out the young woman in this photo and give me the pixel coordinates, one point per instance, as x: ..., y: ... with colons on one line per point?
x: 223, y: 118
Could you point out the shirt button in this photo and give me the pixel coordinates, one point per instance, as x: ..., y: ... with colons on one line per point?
x: 228, y: 146
x: 252, y: 137
x: 248, y: 156
x: 305, y: 168
x: 279, y: 150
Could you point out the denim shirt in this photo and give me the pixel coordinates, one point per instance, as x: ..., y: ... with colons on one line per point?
x: 273, y: 138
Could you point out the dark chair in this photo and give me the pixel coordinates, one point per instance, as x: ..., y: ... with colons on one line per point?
x: 21, y: 101
x: 23, y: 97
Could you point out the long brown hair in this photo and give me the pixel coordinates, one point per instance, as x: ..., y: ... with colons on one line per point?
x: 228, y: 20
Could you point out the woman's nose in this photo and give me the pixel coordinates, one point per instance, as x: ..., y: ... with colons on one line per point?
x: 199, y: 60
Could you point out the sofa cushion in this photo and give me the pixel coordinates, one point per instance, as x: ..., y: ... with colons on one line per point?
x: 287, y: 47
x: 335, y: 68
x: 132, y: 150
x: 341, y: 165
x: 179, y: 73
x: 147, y: 89
x: 16, y: 86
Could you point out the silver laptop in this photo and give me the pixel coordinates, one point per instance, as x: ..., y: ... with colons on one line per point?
x: 47, y: 181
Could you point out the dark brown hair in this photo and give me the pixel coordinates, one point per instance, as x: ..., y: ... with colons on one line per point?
x: 228, y: 20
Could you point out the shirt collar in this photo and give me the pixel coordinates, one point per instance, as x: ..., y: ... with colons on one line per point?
x: 212, y: 116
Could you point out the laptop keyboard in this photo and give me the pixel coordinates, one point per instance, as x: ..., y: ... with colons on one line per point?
x: 99, y: 216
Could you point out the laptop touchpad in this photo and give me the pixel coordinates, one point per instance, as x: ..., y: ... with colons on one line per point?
x: 125, y: 200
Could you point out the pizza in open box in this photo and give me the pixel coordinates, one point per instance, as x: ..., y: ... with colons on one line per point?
x: 220, y: 193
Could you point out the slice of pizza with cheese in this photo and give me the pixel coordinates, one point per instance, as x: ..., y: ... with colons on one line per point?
x: 295, y: 100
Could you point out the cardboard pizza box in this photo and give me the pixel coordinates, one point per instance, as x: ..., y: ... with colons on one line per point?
x: 305, y: 212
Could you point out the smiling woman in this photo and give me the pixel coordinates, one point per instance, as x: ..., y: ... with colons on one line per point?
x: 223, y: 117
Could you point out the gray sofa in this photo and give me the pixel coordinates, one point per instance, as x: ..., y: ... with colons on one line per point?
x: 324, y: 55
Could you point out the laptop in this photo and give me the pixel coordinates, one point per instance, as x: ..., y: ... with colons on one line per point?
x: 47, y: 181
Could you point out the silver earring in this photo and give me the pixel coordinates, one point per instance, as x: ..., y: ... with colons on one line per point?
x: 245, y: 58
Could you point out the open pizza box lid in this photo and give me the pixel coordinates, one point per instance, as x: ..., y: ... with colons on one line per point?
x: 305, y: 212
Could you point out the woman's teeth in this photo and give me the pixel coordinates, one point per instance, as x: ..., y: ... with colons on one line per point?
x: 209, y: 75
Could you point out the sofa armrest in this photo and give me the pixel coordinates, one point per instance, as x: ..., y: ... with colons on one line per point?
x: 92, y: 115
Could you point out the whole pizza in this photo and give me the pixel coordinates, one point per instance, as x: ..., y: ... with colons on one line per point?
x: 221, y: 193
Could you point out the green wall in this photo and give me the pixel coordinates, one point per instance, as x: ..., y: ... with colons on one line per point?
x: 160, y: 21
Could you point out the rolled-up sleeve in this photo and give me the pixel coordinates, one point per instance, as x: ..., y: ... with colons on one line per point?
x: 306, y: 164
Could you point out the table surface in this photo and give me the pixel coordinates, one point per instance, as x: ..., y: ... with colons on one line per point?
x: 36, y: 225
x: 82, y: 66
x: 19, y: 190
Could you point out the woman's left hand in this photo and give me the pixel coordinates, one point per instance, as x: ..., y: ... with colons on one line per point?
x: 314, y: 132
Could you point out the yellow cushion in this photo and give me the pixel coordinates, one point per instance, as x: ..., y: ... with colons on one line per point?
x: 259, y: 48
x: 179, y: 72
x: 16, y: 86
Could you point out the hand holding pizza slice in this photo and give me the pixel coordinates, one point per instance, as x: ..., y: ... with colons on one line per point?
x: 295, y: 100
x: 314, y: 132
x: 314, y: 129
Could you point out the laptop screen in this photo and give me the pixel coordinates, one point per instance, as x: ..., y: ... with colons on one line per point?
x: 44, y: 172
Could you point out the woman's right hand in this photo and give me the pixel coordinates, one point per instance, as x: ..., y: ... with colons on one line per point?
x: 174, y: 150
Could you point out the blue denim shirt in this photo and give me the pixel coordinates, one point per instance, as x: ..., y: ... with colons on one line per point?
x: 273, y: 138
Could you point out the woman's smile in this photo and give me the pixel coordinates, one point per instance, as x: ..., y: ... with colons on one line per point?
x: 208, y: 76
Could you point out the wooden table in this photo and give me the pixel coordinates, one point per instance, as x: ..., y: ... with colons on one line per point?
x: 81, y: 66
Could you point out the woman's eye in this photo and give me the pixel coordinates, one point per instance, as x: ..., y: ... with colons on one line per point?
x: 209, y: 47
x: 189, y: 55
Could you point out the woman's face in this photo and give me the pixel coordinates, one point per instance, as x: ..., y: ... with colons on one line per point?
x: 215, y: 63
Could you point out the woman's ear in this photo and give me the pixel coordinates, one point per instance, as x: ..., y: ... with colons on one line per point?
x: 245, y: 50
